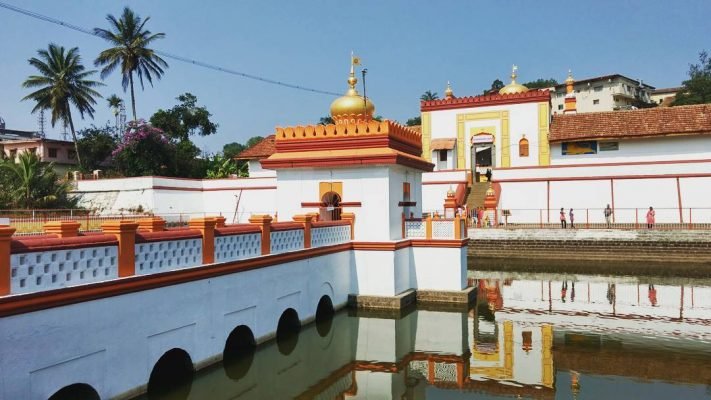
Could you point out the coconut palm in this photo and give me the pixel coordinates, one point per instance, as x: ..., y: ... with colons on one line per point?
x: 429, y: 96
x: 32, y: 183
x: 63, y: 81
x: 130, y: 51
x: 115, y: 106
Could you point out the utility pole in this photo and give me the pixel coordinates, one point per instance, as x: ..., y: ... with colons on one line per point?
x: 365, y: 98
x: 40, y: 123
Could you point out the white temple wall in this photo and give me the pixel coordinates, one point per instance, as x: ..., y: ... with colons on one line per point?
x: 640, y: 150
x: 444, y: 125
x: 256, y: 171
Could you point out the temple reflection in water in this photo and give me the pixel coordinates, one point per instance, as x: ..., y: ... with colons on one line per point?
x: 534, y: 336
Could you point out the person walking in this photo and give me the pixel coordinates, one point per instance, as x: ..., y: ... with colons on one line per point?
x: 608, y: 214
x: 650, y: 218
x: 572, y: 219
x: 563, y: 222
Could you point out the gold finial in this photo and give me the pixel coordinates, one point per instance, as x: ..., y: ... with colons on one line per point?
x: 352, y: 108
x: 513, y: 87
x: 448, y: 93
x: 570, y: 76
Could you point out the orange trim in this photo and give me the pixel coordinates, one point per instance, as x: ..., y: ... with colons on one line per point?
x: 607, y: 164
x: 6, y: 233
x: 533, y: 96
x: 445, y: 183
x: 305, y: 221
x: 176, y: 234
x: 125, y: 233
x: 381, y: 246
x: 152, y: 224
x: 320, y: 224
x: 264, y: 223
x: 345, y: 161
x: 63, y: 229
x: 236, y: 229
x: 286, y: 226
x: 53, y: 243
x: 337, y: 143
x: 206, y: 226
x: 440, y: 243
x: 12, y: 305
x: 310, y: 204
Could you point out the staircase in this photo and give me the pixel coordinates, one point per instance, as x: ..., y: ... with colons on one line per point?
x: 477, y: 194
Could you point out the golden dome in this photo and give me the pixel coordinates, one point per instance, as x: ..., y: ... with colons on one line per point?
x: 570, y: 77
x: 513, y: 87
x: 448, y: 93
x: 490, y: 191
x: 351, y: 108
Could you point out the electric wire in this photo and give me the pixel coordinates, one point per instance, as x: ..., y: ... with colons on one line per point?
x: 175, y: 57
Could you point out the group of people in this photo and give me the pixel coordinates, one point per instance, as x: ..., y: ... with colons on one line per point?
x: 650, y: 218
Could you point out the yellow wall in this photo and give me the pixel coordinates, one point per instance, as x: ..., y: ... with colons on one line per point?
x: 504, y: 148
x: 544, y: 151
x: 426, y: 130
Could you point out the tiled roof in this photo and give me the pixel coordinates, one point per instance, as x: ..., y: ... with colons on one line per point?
x: 667, y: 90
x: 659, y: 121
x: 263, y: 149
x: 443, y: 144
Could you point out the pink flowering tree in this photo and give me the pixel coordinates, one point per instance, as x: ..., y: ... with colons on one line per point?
x: 144, y: 150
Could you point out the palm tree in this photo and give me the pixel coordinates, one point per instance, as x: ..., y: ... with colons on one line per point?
x: 115, y: 106
x: 32, y: 183
x: 429, y: 96
x: 63, y: 81
x: 130, y: 51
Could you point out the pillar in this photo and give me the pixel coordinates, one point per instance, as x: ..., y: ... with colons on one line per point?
x: 152, y: 224
x: 5, y: 242
x: 63, y: 229
x: 265, y: 225
x: 450, y: 204
x: 206, y: 226
x: 457, y: 226
x: 428, y: 227
x: 220, y: 221
x: 350, y: 217
x: 305, y: 220
x: 125, y: 232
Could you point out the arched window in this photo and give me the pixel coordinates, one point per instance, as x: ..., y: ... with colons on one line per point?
x: 523, y: 147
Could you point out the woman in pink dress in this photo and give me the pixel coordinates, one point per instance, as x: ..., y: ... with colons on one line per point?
x: 650, y: 218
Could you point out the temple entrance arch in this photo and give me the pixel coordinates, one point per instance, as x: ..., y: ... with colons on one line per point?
x: 330, y: 207
x: 483, y: 153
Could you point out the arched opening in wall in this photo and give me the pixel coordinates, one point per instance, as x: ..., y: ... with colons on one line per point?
x: 330, y: 207
x: 239, y: 352
x: 172, y: 376
x: 287, y: 335
x: 77, y: 391
x: 324, y: 315
x: 523, y: 147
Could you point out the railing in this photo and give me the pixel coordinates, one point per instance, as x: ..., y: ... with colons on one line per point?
x: 434, y: 227
x: 593, y: 218
x: 62, y: 256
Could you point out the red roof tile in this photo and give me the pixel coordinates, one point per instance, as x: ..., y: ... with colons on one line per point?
x: 659, y: 121
x: 534, y: 95
x: 263, y: 149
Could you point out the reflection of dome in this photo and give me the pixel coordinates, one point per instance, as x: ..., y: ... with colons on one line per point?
x: 513, y: 87
x: 351, y: 108
x: 490, y: 191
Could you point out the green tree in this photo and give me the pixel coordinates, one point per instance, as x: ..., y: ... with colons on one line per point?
x: 31, y: 183
x: 327, y: 120
x: 184, y: 119
x: 220, y: 166
x: 130, y: 51
x: 145, y: 150
x: 230, y: 150
x: 414, y: 121
x: 429, y: 96
x: 696, y: 89
x: 97, y: 144
x: 496, y: 85
x: 63, y: 81
x: 541, y: 83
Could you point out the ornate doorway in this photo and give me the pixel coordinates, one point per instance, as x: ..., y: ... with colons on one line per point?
x: 330, y: 207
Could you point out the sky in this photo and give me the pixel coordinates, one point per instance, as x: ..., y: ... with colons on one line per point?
x: 408, y: 47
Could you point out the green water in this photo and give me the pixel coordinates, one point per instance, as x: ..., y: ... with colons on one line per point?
x: 529, y: 335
